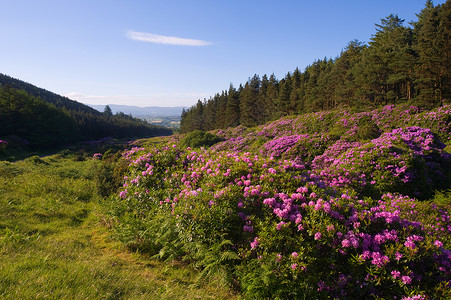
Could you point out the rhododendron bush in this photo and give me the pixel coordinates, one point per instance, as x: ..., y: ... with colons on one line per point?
x: 293, y: 209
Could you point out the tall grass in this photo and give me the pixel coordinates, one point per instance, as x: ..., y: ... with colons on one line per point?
x: 54, y: 241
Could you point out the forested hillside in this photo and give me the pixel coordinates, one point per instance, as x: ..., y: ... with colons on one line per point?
x: 399, y: 64
x: 40, y: 119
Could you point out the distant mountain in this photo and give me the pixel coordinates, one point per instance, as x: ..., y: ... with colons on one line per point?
x: 148, y: 111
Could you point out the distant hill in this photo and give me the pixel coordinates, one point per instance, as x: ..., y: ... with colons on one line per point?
x: 34, y: 117
x: 148, y: 111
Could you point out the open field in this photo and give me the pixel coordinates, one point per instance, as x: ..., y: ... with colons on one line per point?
x: 55, y: 242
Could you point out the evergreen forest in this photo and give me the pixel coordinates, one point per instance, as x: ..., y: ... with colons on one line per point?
x: 31, y: 117
x: 400, y: 64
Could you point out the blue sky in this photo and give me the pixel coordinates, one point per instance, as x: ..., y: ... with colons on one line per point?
x: 172, y: 53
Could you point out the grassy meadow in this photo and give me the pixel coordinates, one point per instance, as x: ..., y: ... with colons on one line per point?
x: 55, y: 242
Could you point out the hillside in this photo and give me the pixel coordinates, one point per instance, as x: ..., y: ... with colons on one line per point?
x: 50, y: 97
x: 332, y: 204
x: 400, y: 64
x: 38, y: 119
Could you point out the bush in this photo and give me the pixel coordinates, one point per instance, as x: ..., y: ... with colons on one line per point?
x: 199, y: 138
x: 408, y: 160
x: 278, y: 228
x: 340, y: 227
x: 109, y: 175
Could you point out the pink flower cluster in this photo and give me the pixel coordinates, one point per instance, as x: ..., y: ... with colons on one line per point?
x: 299, y: 200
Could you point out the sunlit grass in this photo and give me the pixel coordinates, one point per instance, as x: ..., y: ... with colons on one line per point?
x: 54, y: 243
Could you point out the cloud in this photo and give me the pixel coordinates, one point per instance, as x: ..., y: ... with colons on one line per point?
x: 161, y: 39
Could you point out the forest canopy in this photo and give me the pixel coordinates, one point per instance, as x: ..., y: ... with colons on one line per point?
x: 401, y: 63
x: 39, y: 119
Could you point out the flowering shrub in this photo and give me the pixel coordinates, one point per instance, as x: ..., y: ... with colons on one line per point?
x: 410, y: 161
x: 199, y: 138
x: 304, y: 147
x: 3, y: 144
x: 97, y: 156
x: 291, y: 212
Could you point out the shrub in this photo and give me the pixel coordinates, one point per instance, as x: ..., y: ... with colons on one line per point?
x: 199, y: 138
x: 252, y: 210
x: 410, y: 161
x: 109, y: 175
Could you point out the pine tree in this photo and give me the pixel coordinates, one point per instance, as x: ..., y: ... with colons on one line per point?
x: 283, y: 101
x: 342, y: 76
x: 295, y: 95
x: 107, y: 111
x: 433, y: 30
x: 248, y: 102
x: 272, y: 93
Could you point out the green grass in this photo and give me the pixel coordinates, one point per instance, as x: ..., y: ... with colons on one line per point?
x: 55, y: 244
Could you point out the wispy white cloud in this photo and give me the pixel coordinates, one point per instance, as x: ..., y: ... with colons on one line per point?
x: 162, y: 39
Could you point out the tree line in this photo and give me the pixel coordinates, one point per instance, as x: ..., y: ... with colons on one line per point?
x: 38, y: 119
x: 399, y: 64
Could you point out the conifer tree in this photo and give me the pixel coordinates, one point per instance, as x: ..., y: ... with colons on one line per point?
x: 232, y: 112
x: 248, y: 102
x: 283, y: 101
x: 107, y: 111
x: 433, y: 30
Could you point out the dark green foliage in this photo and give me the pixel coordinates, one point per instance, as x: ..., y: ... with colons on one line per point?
x: 249, y: 105
x: 199, y: 138
x: 35, y: 159
x: 30, y: 121
x: 109, y: 174
x: 34, y: 118
x: 107, y: 111
x: 400, y: 64
x: 432, y: 32
x: 367, y: 130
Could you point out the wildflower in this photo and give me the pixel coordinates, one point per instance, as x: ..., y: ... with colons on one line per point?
x: 318, y: 236
x: 279, y: 226
x: 255, y: 243
x: 406, y: 279
x: 415, y: 297
x: 409, y: 244
x: 272, y: 171
x: 398, y: 256
x: 379, y: 260
x: 321, y: 286
x: 294, y: 254
x: 438, y: 243
x: 346, y: 243
x: 123, y: 194
x: 395, y: 274
x: 97, y: 156
x: 365, y: 255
